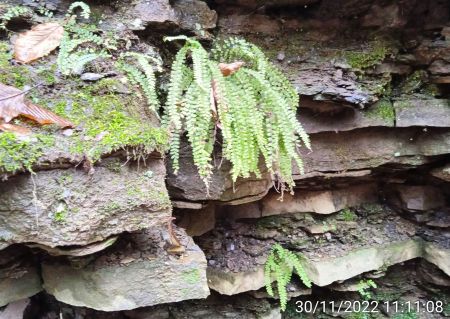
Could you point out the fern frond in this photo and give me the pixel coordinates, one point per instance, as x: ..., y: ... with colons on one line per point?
x: 279, y: 266
x: 254, y: 107
x: 142, y: 73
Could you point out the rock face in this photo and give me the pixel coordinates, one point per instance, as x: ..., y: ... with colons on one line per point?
x: 148, y: 276
x: 187, y: 184
x: 417, y: 198
x: 191, y: 15
x: 373, y: 204
x: 19, y: 275
x: 70, y: 207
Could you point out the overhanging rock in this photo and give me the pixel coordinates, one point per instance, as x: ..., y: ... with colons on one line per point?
x: 137, y: 273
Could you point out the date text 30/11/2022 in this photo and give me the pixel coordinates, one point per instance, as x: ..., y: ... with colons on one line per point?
x: 373, y: 306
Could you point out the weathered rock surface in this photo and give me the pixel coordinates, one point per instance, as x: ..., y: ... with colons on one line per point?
x: 373, y: 147
x: 326, y: 271
x: 343, y: 119
x: 189, y: 15
x: 188, y: 185
x: 199, y: 222
x: 416, y: 198
x: 432, y: 112
x: 442, y: 173
x: 15, y: 310
x: 349, y: 243
x: 148, y: 275
x: 320, y: 202
x: 19, y: 276
x: 70, y: 207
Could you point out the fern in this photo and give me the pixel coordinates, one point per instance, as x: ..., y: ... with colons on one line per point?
x: 80, y: 43
x: 140, y: 71
x: 255, y: 109
x: 279, y: 266
x: 364, y: 286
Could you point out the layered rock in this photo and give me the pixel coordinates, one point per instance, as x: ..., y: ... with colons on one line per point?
x: 148, y: 275
x: 71, y: 207
x: 334, y: 248
x: 19, y: 275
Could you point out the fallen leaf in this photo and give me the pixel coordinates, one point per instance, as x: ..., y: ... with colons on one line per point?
x: 43, y: 116
x: 230, y: 68
x: 6, y: 127
x: 13, y: 104
x: 38, y: 42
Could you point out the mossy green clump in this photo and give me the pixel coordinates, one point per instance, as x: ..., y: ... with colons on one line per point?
x: 414, y: 82
x: 109, y: 122
x: 382, y: 109
x: 347, y: 215
x: 17, y: 154
x: 364, y: 60
x: 16, y: 76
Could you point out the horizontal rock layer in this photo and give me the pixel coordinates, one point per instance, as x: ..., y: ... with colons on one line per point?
x: 71, y: 207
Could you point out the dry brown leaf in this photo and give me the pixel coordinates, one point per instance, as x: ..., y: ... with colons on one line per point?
x: 38, y: 42
x: 13, y: 104
x: 43, y: 116
x: 19, y: 130
x: 230, y: 68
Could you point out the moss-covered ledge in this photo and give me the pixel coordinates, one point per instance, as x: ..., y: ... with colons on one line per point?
x: 109, y: 115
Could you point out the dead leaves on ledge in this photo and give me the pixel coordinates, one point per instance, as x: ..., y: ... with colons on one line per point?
x: 38, y: 42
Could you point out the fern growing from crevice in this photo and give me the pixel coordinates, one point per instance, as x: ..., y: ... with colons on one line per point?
x: 80, y: 44
x: 140, y: 70
x: 254, y: 106
x: 279, y: 266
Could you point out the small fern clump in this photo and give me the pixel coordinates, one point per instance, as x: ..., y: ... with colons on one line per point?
x: 364, y: 286
x: 12, y: 13
x: 253, y: 105
x: 140, y: 70
x: 280, y: 264
x: 80, y: 43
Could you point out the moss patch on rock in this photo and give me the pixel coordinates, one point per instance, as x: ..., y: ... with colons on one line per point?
x: 364, y: 60
x: 19, y: 154
x: 382, y: 109
x: 109, y: 121
x: 109, y: 116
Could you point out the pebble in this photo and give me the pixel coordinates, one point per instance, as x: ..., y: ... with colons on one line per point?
x: 230, y: 247
x: 281, y: 56
x: 91, y: 77
x: 68, y: 132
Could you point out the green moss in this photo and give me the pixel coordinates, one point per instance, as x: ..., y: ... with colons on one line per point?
x: 382, y: 109
x: 48, y: 74
x: 347, y: 215
x: 107, y: 122
x: 19, y: 154
x: 364, y: 60
x: 16, y: 76
x: 414, y: 82
x: 114, y: 165
x: 60, y: 214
